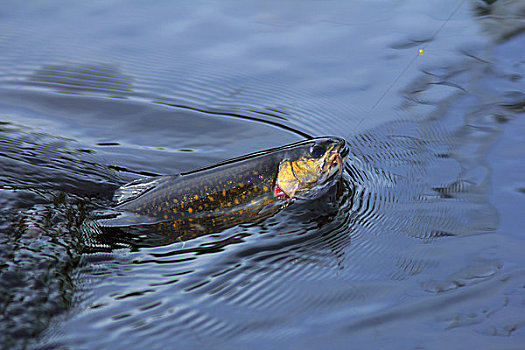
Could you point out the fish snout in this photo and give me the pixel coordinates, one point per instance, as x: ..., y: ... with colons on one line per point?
x: 337, y: 157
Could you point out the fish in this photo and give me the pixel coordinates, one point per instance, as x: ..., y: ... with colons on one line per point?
x: 240, y: 190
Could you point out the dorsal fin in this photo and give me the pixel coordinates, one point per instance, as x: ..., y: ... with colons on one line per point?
x: 134, y: 189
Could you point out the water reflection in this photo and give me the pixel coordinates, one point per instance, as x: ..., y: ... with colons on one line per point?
x: 408, y: 249
x: 404, y: 187
x: 94, y: 79
x: 407, y: 184
x: 503, y: 20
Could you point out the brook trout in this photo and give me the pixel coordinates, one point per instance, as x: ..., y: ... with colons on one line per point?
x: 240, y: 190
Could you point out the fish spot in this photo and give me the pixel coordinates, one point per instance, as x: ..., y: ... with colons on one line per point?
x: 236, y: 201
x: 241, y: 185
x: 166, y: 217
x: 175, y: 201
x: 265, y: 188
x: 255, y: 173
x: 190, y: 210
x: 196, y: 197
x: 224, y: 193
x: 210, y: 198
x: 229, y: 204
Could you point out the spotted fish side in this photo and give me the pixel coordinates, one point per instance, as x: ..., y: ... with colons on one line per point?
x: 211, y: 199
x: 205, y: 201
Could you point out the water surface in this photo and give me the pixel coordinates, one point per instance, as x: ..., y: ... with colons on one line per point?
x: 419, y: 245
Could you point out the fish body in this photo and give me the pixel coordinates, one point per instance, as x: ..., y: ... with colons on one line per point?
x: 240, y: 190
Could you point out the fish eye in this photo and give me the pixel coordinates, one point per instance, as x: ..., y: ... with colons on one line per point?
x: 317, y: 151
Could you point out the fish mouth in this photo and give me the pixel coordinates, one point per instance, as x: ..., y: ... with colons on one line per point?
x: 308, y: 178
x: 344, y: 150
x: 335, y: 158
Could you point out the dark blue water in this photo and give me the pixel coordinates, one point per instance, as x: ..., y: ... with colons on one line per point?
x: 419, y: 246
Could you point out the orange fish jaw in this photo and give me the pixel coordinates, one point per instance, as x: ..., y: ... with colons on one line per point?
x: 287, y: 181
x: 306, y: 173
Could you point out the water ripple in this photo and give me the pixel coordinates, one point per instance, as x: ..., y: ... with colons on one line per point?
x: 186, y: 87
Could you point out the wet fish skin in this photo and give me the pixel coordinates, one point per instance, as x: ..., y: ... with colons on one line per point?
x: 213, y: 198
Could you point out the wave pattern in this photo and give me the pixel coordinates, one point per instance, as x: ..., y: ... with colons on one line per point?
x: 369, y: 234
x: 222, y: 95
x: 391, y: 242
x: 55, y: 163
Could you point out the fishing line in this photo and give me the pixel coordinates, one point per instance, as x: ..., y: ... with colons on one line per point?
x: 410, y: 63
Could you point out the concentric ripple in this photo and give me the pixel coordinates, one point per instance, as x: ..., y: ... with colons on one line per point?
x: 363, y: 238
x: 406, y: 249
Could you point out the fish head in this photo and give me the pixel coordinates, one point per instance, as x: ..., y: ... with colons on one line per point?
x: 310, y: 168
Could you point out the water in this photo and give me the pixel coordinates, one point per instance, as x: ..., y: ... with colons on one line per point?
x: 420, y: 245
